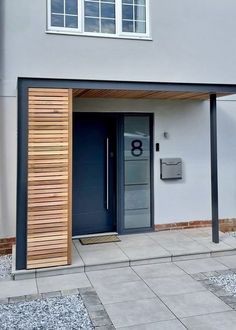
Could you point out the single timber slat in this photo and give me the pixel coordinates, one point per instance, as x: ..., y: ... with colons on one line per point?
x: 53, y: 263
x: 49, y: 243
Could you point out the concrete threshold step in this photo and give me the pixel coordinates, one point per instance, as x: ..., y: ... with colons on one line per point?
x: 75, y: 268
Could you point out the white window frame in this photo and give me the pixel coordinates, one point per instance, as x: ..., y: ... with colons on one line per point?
x: 64, y: 29
x: 118, y: 23
x: 130, y: 34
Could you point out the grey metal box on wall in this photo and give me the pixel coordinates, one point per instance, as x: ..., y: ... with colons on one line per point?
x: 171, y: 168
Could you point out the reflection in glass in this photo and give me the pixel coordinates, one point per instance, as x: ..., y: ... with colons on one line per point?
x: 139, y: 13
x: 100, y: 16
x: 130, y: 2
x: 108, y: 26
x: 57, y: 20
x: 137, y: 172
x: 71, y: 7
x: 140, y: 27
x: 71, y: 21
x: 127, y: 26
x: 91, y: 9
x: 108, y: 10
x: 127, y: 12
x: 57, y: 6
x: 140, y: 2
x: 91, y: 24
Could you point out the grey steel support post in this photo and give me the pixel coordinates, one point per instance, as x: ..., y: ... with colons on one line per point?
x: 214, y: 169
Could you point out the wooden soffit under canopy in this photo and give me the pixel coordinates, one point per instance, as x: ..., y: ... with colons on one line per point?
x: 142, y: 94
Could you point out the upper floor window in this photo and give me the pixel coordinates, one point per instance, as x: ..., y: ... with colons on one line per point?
x: 100, y: 17
x: 134, y: 16
x: 64, y: 14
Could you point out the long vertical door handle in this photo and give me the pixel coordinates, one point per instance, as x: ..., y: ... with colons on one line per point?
x: 107, y: 204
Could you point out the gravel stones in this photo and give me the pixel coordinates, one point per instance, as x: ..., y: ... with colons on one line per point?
x: 61, y: 313
x: 226, y: 281
x: 5, y: 267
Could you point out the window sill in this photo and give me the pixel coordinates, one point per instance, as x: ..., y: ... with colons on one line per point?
x: 95, y: 35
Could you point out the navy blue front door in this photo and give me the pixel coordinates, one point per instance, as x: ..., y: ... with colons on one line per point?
x: 94, y: 171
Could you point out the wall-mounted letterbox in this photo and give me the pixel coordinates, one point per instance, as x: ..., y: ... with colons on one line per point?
x: 171, y: 168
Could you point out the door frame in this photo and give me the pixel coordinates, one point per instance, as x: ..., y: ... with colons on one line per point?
x: 121, y: 174
x: 120, y: 171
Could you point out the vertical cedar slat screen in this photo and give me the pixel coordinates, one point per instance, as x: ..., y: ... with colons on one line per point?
x: 49, y: 177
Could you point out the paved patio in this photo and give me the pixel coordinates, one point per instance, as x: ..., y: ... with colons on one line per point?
x: 152, y: 296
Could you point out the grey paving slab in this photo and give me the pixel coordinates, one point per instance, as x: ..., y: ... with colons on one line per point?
x: 102, y: 256
x: 229, y: 240
x: 135, y: 240
x: 146, y: 252
x: 207, y: 242
x: 172, y: 285
x: 196, y: 233
x: 17, y: 288
x: 200, y: 265
x: 157, y: 270
x: 185, y: 247
x: 228, y: 261
x: 138, y: 312
x: 112, y: 276
x: 127, y: 291
x: 62, y: 282
x: 166, y: 238
x: 166, y: 235
x: 215, y: 321
x: 197, y: 303
x: 217, y: 247
x: 141, y: 246
x: 149, y: 250
x: 162, y: 325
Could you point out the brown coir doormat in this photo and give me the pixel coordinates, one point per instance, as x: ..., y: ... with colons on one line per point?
x: 99, y: 239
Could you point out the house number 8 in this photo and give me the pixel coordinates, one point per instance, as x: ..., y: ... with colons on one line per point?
x: 136, y: 148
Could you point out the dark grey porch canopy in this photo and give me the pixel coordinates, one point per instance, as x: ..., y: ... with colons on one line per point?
x: 117, y: 89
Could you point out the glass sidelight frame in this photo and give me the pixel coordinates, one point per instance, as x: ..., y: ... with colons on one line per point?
x: 121, y: 228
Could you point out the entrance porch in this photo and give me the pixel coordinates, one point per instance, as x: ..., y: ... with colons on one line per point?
x: 45, y: 180
x: 140, y: 249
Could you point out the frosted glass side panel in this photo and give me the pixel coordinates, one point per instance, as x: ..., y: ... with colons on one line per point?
x: 137, y: 172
